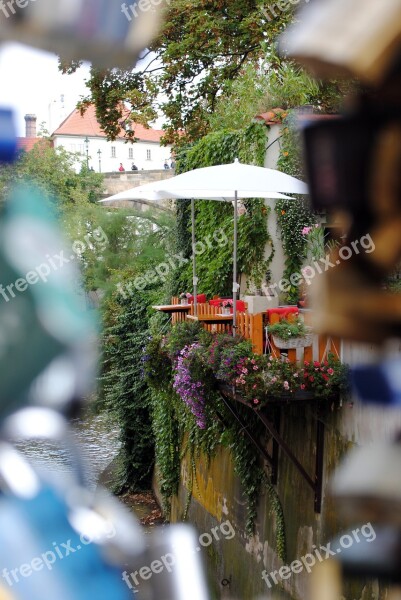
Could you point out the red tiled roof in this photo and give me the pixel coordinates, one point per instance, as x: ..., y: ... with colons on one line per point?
x: 272, y: 117
x: 24, y: 143
x: 276, y: 115
x: 75, y: 124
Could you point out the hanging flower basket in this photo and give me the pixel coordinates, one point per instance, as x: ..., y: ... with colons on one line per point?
x: 294, y: 342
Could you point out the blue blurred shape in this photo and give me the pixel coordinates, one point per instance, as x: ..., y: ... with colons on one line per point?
x: 379, y: 383
x: 8, y: 139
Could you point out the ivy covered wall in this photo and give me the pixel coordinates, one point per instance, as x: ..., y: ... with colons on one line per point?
x: 214, y: 266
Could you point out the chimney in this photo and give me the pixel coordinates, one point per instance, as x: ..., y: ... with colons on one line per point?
x: 30, y: 126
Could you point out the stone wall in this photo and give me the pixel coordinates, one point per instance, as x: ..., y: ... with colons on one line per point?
x: 114, y: 183
x: 235, y: 565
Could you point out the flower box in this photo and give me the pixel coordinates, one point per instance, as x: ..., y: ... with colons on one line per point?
x: 294, y: 342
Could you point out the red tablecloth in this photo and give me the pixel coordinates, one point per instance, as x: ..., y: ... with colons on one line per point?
x: 283, y: 311
x: 201, y: 299
x: 240, y: 304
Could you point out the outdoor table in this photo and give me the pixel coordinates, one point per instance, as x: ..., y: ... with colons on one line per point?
x: 173, y: 308
x: 212, y: 319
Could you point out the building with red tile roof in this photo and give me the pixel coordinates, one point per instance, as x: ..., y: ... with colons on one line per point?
x: 83, y: 134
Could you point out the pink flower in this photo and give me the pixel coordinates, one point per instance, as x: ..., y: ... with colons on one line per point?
x: 286, y: 385
x: 255, y: 367
x: 255, y: 401
x: 303, y: 386
x: 306, y: 230
x: 330, y: 371
x: 311, y: 378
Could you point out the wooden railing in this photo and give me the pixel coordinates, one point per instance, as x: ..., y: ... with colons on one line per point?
x: 249, y: 326
x: 253, y: 327
x: 321, y: 345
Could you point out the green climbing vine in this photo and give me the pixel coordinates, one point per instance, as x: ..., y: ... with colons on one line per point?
x: 214, y: 264
x: 179, y: 432
x: 292, y: 215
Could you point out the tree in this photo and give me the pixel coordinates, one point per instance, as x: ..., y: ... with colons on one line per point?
x: 52, y: 169
x: 203, y: 45
x: 105, y: 240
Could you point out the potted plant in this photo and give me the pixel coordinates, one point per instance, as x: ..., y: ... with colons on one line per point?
x: 226, y: 306
x: 184, y: 297
x: 291, y: 334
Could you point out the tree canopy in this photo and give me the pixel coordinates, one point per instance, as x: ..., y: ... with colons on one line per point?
x: 203, y: 45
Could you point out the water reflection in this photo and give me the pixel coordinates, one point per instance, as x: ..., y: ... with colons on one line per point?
x: 96, y: 442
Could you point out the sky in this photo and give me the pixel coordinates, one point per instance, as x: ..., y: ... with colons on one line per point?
x: 31, y: 82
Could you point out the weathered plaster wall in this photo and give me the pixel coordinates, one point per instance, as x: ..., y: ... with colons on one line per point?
x: 217, y: 496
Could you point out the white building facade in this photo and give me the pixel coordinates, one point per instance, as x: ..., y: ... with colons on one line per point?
x: 83, y: 134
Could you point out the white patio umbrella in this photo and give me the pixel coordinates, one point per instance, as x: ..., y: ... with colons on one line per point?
x: 225, y: 183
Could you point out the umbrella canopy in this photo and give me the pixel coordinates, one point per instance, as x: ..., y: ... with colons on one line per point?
x: 155, y: 191
x: 225, y: 183
x: 234, y: 177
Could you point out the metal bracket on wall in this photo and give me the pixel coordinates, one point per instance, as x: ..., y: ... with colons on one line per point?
x: 273, y: 426
x: 273, y: 459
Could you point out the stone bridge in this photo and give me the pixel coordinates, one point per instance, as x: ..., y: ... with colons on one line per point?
x: 115, y: 183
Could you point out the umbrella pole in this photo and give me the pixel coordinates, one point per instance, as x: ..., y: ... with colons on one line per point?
x: 235, y: 265
x: 194, y: 277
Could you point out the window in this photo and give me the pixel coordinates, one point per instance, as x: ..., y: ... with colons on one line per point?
x: 113, y: 152
x: 148, y: 155
x: 130, y: 153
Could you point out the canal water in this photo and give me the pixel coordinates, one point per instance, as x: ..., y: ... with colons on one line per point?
x: 96, y: 442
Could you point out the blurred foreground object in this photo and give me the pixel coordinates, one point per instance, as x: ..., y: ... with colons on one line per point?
x: 96, y: 30
x: 366, y: 485
x: 353, y: 170
x: 8, y: 140
x: 48, y: 352
x: 353, y: 163
x: 58, y: 540
x: 357, y: 38
x: 367, y: 490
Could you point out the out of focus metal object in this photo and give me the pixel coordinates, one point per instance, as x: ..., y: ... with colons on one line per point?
x: 48, y: 348
x: 106, y: 32
x: 366, y: 485
x: 352, y: 166
x: 357, y: 38
x: 77, y: 544
x: 378, y: 383
x: 8, y: 140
